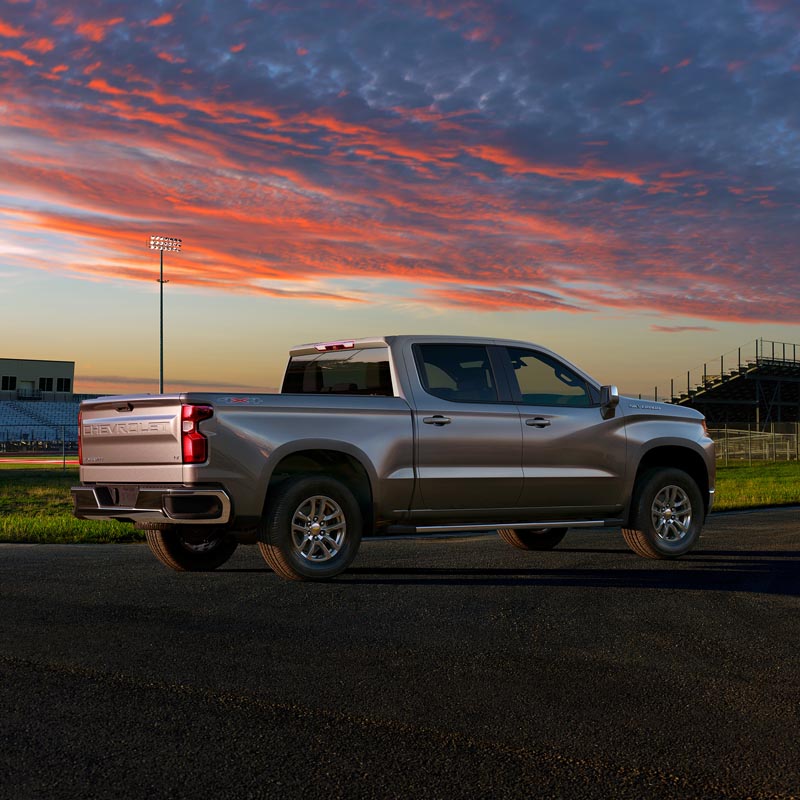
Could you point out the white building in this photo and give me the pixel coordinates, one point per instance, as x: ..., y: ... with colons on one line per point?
x: 29, y: 379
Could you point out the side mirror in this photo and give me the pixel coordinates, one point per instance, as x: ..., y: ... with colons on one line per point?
x: 609, y: 400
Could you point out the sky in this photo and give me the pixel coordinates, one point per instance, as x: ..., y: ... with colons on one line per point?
x: 618, y: 181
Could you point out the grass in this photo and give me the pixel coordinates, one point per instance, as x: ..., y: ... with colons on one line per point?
x: 775, y: 483
x: 36, y: 506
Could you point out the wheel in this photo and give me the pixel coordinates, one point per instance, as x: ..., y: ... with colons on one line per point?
x: 666, y: 514
x: 189, y: 549
x: 524, y: 539
x: 311, y: 530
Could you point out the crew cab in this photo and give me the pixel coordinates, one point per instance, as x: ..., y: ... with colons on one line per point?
x: 395, y: 434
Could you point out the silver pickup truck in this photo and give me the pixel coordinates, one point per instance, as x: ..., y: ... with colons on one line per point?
x: 399, y: 434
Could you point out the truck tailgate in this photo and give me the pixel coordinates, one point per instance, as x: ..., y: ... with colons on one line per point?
x: 131, y: 439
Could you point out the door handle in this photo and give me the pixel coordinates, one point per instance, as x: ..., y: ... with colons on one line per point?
x: 438, y: 420
x: 538, y: 422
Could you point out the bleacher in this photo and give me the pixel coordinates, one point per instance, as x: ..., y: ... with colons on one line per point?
x: 42, y: 421
x: 759, y: 392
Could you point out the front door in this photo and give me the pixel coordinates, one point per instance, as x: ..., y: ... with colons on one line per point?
x: 573, y: 460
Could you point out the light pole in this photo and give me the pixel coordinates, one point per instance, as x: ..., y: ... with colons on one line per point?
x: 162, y: 243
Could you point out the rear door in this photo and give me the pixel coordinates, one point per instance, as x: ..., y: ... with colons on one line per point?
x: 572, y: 459
x: 469, y: 440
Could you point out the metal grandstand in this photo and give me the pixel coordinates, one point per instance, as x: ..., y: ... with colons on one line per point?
x: 42, y: 426
x: 757, y: 385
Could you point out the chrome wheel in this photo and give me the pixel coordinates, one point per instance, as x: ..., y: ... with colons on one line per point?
x: 319, y: 528
x: 671, y: 513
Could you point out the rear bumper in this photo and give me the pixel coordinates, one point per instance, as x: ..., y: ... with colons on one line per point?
x: 181, y: 505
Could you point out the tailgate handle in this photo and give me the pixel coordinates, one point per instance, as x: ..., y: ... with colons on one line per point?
x: 538, y: 422
x: 438, y: 420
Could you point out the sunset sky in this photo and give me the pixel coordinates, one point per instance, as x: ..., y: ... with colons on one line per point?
x: 619, y: 181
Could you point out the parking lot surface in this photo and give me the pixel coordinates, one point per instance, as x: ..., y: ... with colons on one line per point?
x: 432, y: 668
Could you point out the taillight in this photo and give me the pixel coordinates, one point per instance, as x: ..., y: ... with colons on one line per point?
x: 194, y: 444
x: 80, y: 437
x: 328, y: 346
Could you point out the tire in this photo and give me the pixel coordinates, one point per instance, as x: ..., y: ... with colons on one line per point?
x: 193, y: 549
x: 524, y: 539
x: 666, y: 514
x: 311, y: 530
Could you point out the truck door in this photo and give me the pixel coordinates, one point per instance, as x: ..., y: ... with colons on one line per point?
x: 572, y: 459
x: 469, y: 441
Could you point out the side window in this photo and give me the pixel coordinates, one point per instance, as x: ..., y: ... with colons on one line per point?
x: 544, y: 381
x: 460, y: 373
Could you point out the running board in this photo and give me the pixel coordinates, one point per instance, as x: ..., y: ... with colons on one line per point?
x: 562, y: 523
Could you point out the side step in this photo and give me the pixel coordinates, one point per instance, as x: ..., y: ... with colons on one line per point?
x: 464, y: 528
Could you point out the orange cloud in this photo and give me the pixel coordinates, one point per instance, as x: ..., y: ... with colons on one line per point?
x: 171, y: 58
x: 506, y: 300
x: 97, y: 30
x: 100, y: 85
x: 17, y: 55
x: 40, y: 45
x: 11, y: 31
x: 589, y: 171
x: 681, y: 328
x: 164, y: 19
x: 637, y: 101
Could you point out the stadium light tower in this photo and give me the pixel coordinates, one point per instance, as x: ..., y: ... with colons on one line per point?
x: 162, y: 243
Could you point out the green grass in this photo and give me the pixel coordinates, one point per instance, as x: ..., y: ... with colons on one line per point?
x: 36, y: 506
x: 774, y: 483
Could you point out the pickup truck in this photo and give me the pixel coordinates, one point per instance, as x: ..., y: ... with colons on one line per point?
x: 391, y: 435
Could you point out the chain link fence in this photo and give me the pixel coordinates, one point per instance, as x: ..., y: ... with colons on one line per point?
x: 48, y: 445
x: 780, y: 443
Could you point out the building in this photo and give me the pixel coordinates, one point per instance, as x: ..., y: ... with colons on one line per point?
x: 29, y: 379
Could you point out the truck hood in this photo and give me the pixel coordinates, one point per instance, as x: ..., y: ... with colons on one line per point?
x: 632, y: 405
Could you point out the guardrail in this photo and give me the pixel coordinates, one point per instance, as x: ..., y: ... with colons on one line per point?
x: 752, y: 445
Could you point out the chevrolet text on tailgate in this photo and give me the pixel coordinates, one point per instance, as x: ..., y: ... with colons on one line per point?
x: 399, y: 434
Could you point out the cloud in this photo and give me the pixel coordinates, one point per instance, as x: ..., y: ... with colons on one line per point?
x: 682, y: 328
x: 490, y: 157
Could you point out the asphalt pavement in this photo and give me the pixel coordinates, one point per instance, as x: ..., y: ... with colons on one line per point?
x: 433, y: 668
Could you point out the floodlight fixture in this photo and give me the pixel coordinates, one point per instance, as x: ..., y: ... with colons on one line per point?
x: 162, y: 243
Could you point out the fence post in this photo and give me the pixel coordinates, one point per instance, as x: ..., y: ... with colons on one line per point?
x: 727, y: 444
x: 63, y: 450
x: 749, y: 445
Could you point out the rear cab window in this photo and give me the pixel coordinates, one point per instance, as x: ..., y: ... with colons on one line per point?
x: 362, y: 371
